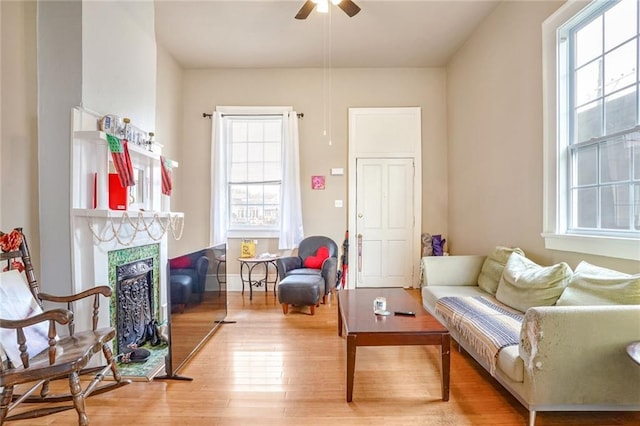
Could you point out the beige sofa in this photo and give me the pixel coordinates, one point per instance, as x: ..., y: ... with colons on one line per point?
x: 568, y: 358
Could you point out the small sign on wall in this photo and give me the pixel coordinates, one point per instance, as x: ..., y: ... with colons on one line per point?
x: 317, y: 182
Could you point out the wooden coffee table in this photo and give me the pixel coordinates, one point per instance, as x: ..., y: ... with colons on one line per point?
x: 364, y: 328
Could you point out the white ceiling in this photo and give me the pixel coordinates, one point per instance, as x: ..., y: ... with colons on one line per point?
x: 264, y: 33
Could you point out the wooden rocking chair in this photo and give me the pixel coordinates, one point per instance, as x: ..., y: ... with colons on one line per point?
x: 61, y: 357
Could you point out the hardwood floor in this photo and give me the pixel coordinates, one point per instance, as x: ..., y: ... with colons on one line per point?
x: 272, y: 369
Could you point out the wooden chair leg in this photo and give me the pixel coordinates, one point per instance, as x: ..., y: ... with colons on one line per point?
x: 285, y: 308
x: 78, y: 398
x: 5, y: 400
x: 106, y: 350
x: 313, y: 309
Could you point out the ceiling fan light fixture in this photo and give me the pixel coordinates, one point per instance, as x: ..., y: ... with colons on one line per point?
x: 323, y: 6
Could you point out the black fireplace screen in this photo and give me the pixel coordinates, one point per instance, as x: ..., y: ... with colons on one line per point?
x: 134, y: 303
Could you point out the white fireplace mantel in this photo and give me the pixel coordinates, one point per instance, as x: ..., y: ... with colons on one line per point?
x: 98, y: 230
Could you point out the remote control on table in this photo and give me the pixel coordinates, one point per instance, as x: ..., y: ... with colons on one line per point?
x: 405, y: 313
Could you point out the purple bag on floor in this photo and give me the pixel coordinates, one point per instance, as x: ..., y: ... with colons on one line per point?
x: 438, y: 245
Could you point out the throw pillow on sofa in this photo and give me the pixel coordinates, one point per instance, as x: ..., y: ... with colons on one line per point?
x: 493, y: 266
x: 595, y: 285
x: 525, y: 284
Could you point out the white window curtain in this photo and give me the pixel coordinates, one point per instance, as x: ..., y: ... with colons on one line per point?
x: 219, y: 216
x: 291, y: 230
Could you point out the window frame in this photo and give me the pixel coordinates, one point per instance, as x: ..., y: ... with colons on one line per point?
x: 555, y: 148
x: 250, y: 231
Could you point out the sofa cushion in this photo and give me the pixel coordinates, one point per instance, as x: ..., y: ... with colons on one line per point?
x: 525, y: 284
x: 432, y: 293
x: 510, y: 364
x: 595, y: 285
x: 492, y: 268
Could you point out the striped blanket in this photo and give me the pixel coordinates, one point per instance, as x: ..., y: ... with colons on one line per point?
x: 488, y: 327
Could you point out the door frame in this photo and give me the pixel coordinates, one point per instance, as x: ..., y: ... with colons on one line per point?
x: 364, y: 145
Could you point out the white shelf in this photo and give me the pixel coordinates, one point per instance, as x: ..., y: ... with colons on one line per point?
x: 101, y: 138
x: 92, y: 162
x: 106, y: 214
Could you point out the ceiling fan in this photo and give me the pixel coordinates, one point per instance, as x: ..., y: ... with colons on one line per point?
x: 348, y: 6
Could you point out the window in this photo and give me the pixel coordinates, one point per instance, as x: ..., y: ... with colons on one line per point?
x: 592, y: 136
x: 254, y: 171
x: 255, y: 188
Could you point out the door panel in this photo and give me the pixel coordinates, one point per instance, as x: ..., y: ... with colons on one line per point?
x: 384, y: 204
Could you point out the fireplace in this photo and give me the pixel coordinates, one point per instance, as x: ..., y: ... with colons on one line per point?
x: 134, y: 303
x: 134, y: 278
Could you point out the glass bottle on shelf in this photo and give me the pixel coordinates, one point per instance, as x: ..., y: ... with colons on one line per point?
x: 125, y: 133
x: 150, y: 141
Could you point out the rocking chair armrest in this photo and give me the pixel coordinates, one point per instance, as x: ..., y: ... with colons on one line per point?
x: 103, y: 289
x: 59, y: 315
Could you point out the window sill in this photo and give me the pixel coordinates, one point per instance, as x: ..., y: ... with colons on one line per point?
x: 252, y: 234
x: 620, y: 248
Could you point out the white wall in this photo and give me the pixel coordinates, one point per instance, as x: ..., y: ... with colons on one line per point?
x: 77, y: 68
x: 168, y: 128
x: 495, y: 138
x: 119, y: 60
x: 303, y: 89
x: 18, y: 131
x: 59, y: 90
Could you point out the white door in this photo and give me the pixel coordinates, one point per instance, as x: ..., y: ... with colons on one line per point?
x: 384, y: 222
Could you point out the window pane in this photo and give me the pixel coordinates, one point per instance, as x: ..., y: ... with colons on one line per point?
x: 620, y: 23
x: 587, y: 166
x: 238, y: 131
x: 588, y: 83
x: 239, y: 172
x: 255, y: 172
x: 272, y: 171
x: 238, y: 194
x: 255, y: 131
x: 273, y: 131
x: 255, y: 151
x: 587, y: 207
x: 255, y: 194
x: 615, y: 205
x: 620, y: 110
x: 589, y: 42
x: 272, y: 194
x: 614, y: 161
x: 620, y: 67
x: 238, y: 152
x: 589, y: 121
x: 272, y: 152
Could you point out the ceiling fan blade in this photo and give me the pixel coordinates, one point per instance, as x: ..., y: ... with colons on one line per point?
x: 305, y: 10
x: 349, y: 7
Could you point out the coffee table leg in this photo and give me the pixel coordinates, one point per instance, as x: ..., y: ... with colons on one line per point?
x: 351, y: 365
x: 339, y: 321
x: 446, y: 366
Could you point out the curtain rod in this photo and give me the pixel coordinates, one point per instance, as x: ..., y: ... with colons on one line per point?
x: 207, y: 115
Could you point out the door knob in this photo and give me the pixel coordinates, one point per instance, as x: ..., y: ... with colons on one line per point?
x: 360, y: 215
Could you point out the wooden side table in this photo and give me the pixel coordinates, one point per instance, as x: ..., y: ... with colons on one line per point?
x: 249, y: 263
